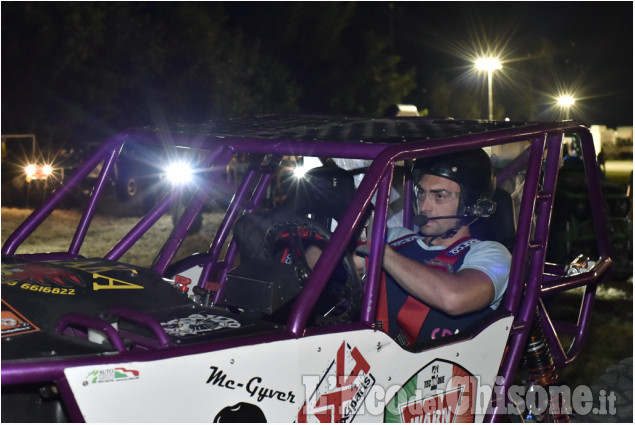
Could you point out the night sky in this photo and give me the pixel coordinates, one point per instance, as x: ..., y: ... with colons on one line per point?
x: 547, y: 48
x: 592, y: 42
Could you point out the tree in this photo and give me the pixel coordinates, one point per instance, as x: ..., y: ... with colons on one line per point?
x: 443, y: 99
x: 82, y: 71
x: 77, y: 71
x: 343, y: 64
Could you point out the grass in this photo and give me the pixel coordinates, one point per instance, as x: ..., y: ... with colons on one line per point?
x: 610, y: 336
x: 57, y: 231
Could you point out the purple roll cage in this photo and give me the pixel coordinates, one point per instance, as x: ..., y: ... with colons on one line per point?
x: 530, y: 278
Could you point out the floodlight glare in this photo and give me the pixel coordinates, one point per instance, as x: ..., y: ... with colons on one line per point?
x: 309, y: 162
x: 179, y: 172
x: 488, y: 64
x: 299, y: 171
x: 566, y: 100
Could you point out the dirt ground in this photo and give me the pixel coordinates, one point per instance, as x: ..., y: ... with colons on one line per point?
x: 57, y: 231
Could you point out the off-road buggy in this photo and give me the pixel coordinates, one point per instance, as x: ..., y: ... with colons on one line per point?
x: 246, y: 331
x: 30, y: 169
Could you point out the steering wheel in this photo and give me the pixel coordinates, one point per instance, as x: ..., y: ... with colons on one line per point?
x: 287, y: 240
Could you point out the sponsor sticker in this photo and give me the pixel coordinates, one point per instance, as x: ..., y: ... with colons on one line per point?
x: 61, y: 277
x: 460, y: 247
x: 197, y: 324
x: 117, y: 374
x: 101, y: 282
x: 341, y: 391
x: 404, y: 241
x: 13, y: 323
x: 440, y: 392
x: 39, y: 278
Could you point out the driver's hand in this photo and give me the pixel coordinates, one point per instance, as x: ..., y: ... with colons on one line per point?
x: 363, y: 247
x: 312, y: 255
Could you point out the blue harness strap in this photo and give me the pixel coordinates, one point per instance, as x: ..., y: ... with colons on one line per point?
x: 406, y: 318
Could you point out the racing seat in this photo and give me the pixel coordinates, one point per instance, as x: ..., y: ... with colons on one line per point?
x: 500, y: 226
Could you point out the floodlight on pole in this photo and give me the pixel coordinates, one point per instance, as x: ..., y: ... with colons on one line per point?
x: 566, y: 102
x: 490, y: 65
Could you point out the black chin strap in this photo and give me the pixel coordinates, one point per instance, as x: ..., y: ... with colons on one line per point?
x: 448, y: 234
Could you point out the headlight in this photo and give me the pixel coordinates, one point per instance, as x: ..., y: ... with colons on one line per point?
x: 30, y: 170
x: 38, y: 172
x: 47, y: 170
x: 179, y: 173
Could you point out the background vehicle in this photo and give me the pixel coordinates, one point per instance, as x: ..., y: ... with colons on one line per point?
x: 247, y: 330
x: 29, y: 172
x: 572, y: 227
x: 143, y: 173
x: 136, y: 182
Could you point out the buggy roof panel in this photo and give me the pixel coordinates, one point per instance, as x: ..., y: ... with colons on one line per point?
x: 315, y: 128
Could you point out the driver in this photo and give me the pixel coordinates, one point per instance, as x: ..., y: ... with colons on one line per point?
x: 440, y: 280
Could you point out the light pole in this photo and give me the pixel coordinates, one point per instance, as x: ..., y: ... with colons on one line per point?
x: 566, y: 102
x: 490, y: 65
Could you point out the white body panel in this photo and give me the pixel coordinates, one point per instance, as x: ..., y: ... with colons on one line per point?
x: 294, y: 380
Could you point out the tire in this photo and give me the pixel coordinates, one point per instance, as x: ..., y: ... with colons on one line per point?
x: 612, y: 395
x: 128, y: 188
x: 135, y: 196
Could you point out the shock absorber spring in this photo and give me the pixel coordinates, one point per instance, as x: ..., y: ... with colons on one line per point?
x: 541, y: 371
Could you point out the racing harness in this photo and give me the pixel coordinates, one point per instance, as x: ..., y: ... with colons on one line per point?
x: 409, y: 320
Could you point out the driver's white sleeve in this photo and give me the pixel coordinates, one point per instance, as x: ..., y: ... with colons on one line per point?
x: 493, y: 259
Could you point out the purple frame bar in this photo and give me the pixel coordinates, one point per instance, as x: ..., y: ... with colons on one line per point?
x: 81, y: 320
x: 87, y: 217
x: 163, y: 341
x: 371, y: 294
x: 522, y: 300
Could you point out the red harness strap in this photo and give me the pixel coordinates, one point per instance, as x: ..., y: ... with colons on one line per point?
x: 413, y: 312
x: 410, y: 318
x: 381, y: 317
